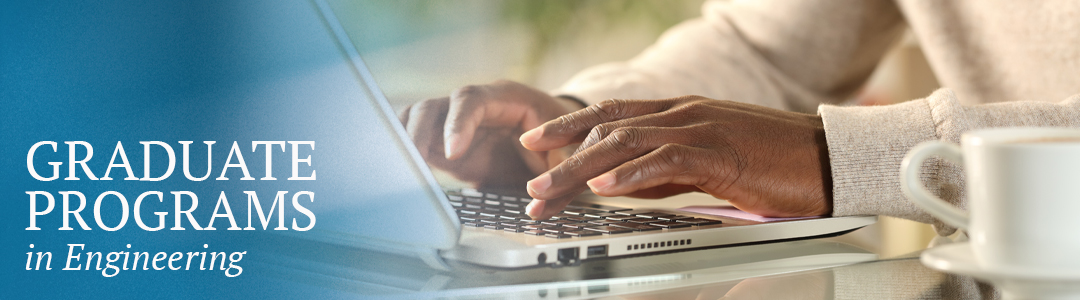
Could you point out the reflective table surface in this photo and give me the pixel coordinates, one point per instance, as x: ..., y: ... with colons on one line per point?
x: 807, y: 269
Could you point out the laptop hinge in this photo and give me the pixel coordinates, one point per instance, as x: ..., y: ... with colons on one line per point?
x: 431, y: 257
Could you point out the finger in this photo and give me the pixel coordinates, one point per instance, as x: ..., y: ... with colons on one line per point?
x: 403, y: 115
x: 424, y: 122
x: 544, y: 209
x: 670, y: 164
x: 465, y: 114
x: 602, y: 131
x: 568, y: 178
x: 575, y: 126
x: 663, y: 191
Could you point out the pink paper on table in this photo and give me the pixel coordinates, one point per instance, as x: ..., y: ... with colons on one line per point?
x: 732, y: 212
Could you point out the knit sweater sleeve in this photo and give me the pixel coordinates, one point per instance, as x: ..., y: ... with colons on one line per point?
x: 792, y: 55
x: 866, y: 145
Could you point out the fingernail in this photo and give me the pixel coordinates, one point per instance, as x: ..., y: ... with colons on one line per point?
x: 601, y: 182
x: 531, y: 136
x: 450, y: 145
x: 539, y: 185
x: 535, y: 208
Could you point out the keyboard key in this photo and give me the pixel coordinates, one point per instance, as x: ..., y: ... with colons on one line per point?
x: 558, y: 236
x: 618, y: 217
x: 491, y: 196
x: 699, y: 221
x: 466, y: 212
x: 514, y: 211
x: 488, y: 214
x: 641, y: 220
x: 670, y: 224
x: 637, y: 227
x: 610, y: 229
x: 490, y: 220
x: 635, y: 212
x: 473, y: 200
x: 522, y: 217
x: 471, y: 224
x: 510, y: 223
x: 539, y: 226
x: 656, y: 215
x: 455, y: 198
x: 493, y: 227
x: 576, y: 212
x: 492, y: 203
x: 602, y: 215
x: 508, y: 198
x: 558, y: 222
x: 457, y: 204
x: 471, y: 193
x: 563, y: 216
x: 604, y: 222
x: 581, y: 219
x: 535, y: 232
x: 468, y: 218
x: 581, y: 233
x: 555, y: 229
x: 676, y: 217
x: 578, y: 225
x: 512, y: 205
x: 514, y: 229
x: 581, y: 211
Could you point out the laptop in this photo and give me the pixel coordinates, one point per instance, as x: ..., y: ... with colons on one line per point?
x: 402, y: 209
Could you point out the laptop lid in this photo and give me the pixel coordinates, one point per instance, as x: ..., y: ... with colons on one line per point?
x: 385, y: 196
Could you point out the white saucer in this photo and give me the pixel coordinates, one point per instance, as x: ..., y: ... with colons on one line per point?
x: 1014, y: 283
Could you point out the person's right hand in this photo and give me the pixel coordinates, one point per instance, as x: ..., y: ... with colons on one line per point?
x: 473, y: 134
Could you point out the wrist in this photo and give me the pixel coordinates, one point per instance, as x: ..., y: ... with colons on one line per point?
x: 824, y: 162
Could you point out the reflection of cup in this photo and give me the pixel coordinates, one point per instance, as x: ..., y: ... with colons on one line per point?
x: 1023, y: 187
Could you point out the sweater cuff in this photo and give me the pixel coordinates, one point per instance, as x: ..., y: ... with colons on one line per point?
x: 866, y: 145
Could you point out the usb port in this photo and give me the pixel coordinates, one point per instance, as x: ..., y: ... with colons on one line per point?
x: 596, y: 251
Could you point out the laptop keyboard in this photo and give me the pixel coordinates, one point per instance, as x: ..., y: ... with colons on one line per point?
x: 507, y: 213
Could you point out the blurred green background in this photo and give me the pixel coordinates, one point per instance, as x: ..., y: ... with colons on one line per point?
x: 419, y: 49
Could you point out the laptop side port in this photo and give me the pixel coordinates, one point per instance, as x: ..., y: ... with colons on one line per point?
x: 568, y: 256
x: 596, y: 251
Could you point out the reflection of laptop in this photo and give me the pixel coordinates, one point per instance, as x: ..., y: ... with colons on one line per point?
x: 413, y: 215
x: 391, y: 276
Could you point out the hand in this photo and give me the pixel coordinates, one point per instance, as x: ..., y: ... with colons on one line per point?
x: 764, y: 161
x: 480, y: 125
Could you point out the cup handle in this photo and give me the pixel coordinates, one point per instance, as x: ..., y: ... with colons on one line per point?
x: 917, y: 193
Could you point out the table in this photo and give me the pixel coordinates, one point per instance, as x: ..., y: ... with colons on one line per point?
x: 807, y: 269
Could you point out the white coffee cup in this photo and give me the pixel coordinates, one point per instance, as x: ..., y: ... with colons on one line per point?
x: 1023, y: 190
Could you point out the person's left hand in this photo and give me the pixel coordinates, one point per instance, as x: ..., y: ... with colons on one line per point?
x: 764, y: 161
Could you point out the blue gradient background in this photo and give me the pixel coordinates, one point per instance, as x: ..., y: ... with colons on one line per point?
x: 168, y: 71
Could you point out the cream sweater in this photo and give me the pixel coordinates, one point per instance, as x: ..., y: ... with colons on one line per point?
x: 1003, y: 63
